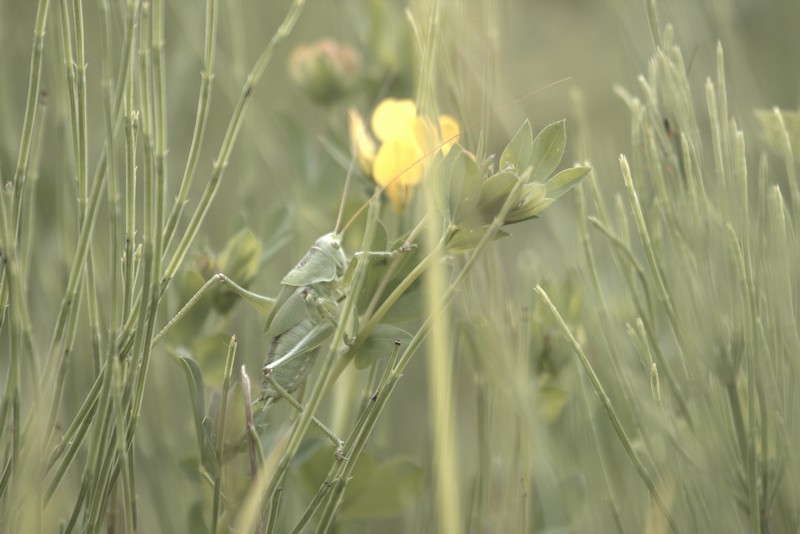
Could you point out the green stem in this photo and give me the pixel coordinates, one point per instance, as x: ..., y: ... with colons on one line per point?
x: 128, y: 495
x: 204, y: 100
x: 82, y: 141
x: 653, y: 263
x: 115, y: 248
x: 31, y: 107
x: 223, y: 411
x: 609, y: 408
x: 228, y: 142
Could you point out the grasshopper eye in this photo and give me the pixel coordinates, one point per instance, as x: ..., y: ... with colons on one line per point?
x: 336, y: 245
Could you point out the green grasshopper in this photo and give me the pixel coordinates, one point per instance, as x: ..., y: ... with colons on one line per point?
x: 303, y: 317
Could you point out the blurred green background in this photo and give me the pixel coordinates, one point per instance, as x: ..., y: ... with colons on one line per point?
x: 293, y: 153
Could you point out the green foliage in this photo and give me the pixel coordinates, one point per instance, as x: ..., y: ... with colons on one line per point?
x: 379, y: 489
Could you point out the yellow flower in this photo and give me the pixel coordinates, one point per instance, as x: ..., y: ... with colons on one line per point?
x: 407, y: 141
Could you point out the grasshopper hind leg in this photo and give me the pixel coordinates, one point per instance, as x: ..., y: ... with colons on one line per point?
x: 282, y: 393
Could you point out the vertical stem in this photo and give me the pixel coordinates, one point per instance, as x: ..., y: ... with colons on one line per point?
x: 653, y: 262
x: 204, y: 99
x: 223, y: 410
x: 609, y: 408
x: 31, y: 106
x: 82, y: 142
x: 115, y: 248
x: 439, y: 361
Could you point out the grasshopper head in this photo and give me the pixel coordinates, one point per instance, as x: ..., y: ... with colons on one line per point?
x: 331, y: 244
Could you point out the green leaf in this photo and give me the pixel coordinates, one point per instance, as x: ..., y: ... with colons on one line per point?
x: 518, y: 151
x: 565, y: 180
x: 408, y: 307
x: 241, y: 256
x: 548, y: 148
x: 380, y: 344
x: 377, y: 270
x: 533, y: 202
x: 493, y: 193
x: 376, y: 490
x: 382, y: 490
x: 458, y: 182
x: 209, y: 355
x: 194, y: 379
x: 196, y: 521
x: 235, y: 421
x: 777, y: 134
x: 552, y: 399
x: 466, y: 239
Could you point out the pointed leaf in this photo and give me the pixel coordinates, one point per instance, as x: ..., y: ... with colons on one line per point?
x: 533, y: 202
x: 458, y: 182
x: 378, y: 267
x: 778, y: 131
x: 407, y: 307
x: 209, y: 354
x: 493, y: 193
x: 382, y: 490
x: 464, y: 240
x: 548, y: 148
x: 235, y: 421
x: 465, y: 187
x: 565, y: 180
x: 380, y: 344
x: 518, y: 152
x: 194, y: 379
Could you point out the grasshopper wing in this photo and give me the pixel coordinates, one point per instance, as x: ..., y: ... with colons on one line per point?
x: 286, y: 294
x: 292, y: 354
x: 288, y: 312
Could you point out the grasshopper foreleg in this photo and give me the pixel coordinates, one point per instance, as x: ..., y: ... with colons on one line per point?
x: 384, y: 254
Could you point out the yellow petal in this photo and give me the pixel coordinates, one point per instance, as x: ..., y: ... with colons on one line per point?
x: 399, y: 196
x: 393, y: 118
x: 398, y: 159
x: 360, y: 141
x: 426, y: 135
x: 451, y: 131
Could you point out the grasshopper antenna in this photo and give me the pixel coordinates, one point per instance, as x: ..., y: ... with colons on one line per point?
x: 344, y: 193
x: 425, y: 156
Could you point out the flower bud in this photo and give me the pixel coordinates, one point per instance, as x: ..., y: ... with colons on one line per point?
x: 324, y: 70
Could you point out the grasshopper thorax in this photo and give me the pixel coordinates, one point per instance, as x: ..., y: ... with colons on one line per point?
x: 324, y: 262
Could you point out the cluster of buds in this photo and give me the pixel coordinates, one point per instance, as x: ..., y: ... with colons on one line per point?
x: 326, y: 70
